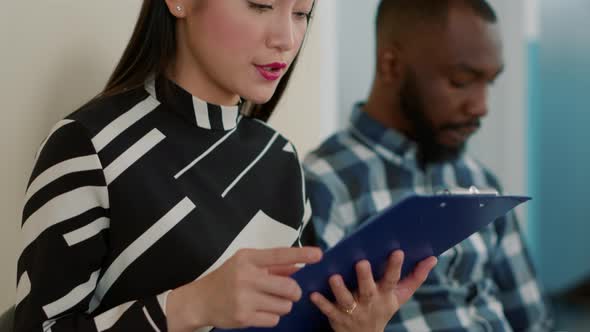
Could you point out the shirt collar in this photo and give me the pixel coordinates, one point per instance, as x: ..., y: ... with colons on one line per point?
x: 387, y: 142
x: 196, y: 111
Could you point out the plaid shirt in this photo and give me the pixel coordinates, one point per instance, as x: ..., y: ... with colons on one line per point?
x: 486, y: 283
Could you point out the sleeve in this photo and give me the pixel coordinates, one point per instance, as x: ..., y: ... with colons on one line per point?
x: 522, y: 298
x: 308, y: 235
x: 65, y: 229
x: 328, y: 225
x: 306, y: 231
x: 520, y: 293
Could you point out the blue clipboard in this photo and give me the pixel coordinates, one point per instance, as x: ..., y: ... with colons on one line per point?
x: 422, y: 226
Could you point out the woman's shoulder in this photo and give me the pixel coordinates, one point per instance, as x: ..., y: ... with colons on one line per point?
x: 103, y: 111
x: 269, y: 133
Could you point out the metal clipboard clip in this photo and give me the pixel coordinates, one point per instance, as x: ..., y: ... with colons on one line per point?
x: 473, y: 190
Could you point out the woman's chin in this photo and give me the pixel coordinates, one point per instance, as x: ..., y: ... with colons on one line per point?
x: 258, y: 99
x: 259, y: 95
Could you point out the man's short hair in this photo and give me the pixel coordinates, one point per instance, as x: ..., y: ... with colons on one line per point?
x: 393, y: 16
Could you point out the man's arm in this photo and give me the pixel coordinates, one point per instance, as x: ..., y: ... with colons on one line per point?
x: 513, y: 272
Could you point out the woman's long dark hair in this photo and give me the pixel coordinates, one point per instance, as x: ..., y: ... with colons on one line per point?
x: 151, y: 50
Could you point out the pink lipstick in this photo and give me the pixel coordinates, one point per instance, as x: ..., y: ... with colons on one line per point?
x: 271, y: 71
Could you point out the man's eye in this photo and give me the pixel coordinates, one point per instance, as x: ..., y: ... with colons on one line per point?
x: 459, y: 84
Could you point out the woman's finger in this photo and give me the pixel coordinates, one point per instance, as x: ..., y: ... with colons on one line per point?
x: 343, y: 296
x: 271, y: 304
x: 406, y: 288
x: 366, y: 283
x: 393, y: 271
x: 282, y: 256
x: 331, y: 311
x: 284, y: 270
x: 264, y: 319
x: 283, y: 287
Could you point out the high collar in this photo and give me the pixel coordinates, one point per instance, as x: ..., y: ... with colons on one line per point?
x: 193, y: 109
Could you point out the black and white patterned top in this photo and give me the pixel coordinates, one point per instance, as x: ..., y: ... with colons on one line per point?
x: 137, y: 194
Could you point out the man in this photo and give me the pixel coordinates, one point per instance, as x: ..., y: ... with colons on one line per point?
x: 435, y: 61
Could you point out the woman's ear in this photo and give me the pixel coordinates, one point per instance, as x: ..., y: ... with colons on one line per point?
x: 177, y: 8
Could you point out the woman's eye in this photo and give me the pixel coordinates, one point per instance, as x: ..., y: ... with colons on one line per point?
x: 259, y: 7
x: 303, y: 15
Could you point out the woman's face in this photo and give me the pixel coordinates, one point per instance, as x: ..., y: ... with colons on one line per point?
x: 233, y: 48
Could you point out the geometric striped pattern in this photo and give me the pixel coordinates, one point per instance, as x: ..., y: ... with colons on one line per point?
x: 139, y: 247
x: 61, y: 209
x: 204, y: 112
x: 123, y: 122
x: 252, y: 164
x: 204, y: 154
x: 72, y: 298
x: 485, y: 282
x: 87, y: 232
x: 106, y: 320
x: 262, y: 232
x: 79, y: 164
x: 132, y: 155
x: 150, y: 319
x: 126, y: 195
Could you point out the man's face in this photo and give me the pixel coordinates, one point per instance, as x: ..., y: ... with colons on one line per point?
x: 445, y: 86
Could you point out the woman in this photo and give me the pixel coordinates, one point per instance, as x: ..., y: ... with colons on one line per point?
x: 142, y: 204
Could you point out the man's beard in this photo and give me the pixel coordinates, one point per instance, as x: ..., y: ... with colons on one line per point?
x: 424, y: 133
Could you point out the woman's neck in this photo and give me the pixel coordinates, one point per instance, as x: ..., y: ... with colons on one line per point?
x: 189, y: 75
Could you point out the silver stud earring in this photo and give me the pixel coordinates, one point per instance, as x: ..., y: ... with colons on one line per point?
x: 179, y: 8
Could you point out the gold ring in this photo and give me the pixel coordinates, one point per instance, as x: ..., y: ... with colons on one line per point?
x: 351, y: 309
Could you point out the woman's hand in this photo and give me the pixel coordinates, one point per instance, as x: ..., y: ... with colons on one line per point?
x: 374, y: 304
x: 251, y: 289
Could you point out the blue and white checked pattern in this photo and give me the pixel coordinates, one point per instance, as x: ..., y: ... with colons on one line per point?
x: 486, y: 283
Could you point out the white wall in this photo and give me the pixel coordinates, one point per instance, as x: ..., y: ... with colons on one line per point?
x: 356, y: 52
x: 56, y: 55
x: 501, y: 144
x: 308, y: 111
